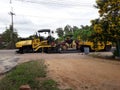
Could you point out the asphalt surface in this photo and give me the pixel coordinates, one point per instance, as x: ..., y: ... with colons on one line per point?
x: 8, y: 60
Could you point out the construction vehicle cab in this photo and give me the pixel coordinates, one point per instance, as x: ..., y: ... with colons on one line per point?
x: 68, y: 43
x: 69, y: 40
x: 41, y: 42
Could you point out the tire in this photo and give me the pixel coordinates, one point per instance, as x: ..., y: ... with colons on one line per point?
x: 77, y: 47
x: 59, y: 49
x: 27, y: 49
x: 107, y: 48
x: 20, y: 50
x: 82, y: 49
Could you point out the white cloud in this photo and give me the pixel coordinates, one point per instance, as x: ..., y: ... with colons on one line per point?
x: 31, y: 15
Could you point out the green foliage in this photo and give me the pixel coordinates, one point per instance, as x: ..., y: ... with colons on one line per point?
x: 60, y: 32
x: 75, y: 28
x: 68, y: 29
x: 109, y: 23
x: 9, y: 38
x: 27, y: 73
x: 49, y: 85
x: 107, y: 28
x: 6, y: 35
x: 115, y: 53
x: 84, y: 32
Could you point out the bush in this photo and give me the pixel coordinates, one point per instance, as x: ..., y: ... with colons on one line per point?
x: 115, y: 53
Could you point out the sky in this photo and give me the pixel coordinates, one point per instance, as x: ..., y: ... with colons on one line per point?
x: 33, y: 15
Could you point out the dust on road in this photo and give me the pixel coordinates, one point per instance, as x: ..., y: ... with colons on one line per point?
x: 80, y: 72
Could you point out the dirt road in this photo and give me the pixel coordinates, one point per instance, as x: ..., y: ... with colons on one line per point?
x: 74, y: 70
x: 80, y: 72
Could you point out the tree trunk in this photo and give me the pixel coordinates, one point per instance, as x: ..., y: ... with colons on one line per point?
x: 118, y: 47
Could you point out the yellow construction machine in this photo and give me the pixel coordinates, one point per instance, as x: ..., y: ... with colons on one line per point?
x: 92, y: 47
x: 39, y: 43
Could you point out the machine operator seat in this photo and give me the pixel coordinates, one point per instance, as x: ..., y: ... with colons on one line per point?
x: 50, y: 39
x: 41, y: 38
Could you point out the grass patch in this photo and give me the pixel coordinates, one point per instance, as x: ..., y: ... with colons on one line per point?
x: 28, y: 73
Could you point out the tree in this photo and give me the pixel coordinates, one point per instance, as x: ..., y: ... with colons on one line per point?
x: 68, y: 29
x: 107, y: 28
x: 7, y: 37
x: 78, y: 33
x: 88, y: 32
x: 75, y: 32
x: 85, y: 32
x: 75, y: 28
x: 60, y: 32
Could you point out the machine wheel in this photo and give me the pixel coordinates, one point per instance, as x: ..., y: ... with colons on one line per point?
x: 82, y: 48
x: 20, y: 51
x: 77, y: 48
x: 26, y: 49
x: 107, y: 48
x: 59, y: 49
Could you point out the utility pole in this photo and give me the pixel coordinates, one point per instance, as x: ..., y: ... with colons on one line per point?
x: 11, y: 13
x: 11, y: 27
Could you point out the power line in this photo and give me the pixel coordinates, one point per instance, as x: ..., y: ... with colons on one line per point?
x: 57, y: 3
x: 49, y: 17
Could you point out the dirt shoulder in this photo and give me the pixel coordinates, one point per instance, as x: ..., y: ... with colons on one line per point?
x: 81, y: 72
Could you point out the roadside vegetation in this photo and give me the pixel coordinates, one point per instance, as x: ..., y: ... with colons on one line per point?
x: 83, y: 32
x: 107, y: 26
x: 33, y: 73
